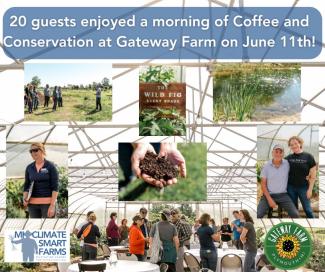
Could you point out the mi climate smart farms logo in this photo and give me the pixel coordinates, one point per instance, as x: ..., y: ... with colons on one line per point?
x: 37, y: 246
x: 288, y: 245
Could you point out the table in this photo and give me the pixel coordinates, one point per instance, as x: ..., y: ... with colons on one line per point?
x: 121, y: 266
x: 119, y: 249
x: 221, y: 253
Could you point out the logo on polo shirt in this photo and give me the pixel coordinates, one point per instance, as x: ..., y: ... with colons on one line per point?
x: 288, y: 245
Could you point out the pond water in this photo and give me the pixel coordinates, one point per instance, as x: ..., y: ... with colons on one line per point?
x: 284, y: 105
x: 18, y: 157
x: 266, y: 95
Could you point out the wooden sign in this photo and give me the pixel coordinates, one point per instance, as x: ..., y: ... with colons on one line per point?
x: 158, y: 95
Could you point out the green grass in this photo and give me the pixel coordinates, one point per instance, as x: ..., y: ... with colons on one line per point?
x: 191, y: 188
x: 78, y: 105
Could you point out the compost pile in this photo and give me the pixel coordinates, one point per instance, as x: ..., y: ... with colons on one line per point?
x: 158, y: 167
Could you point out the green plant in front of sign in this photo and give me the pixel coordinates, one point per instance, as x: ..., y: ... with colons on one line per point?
x: 161, y: 122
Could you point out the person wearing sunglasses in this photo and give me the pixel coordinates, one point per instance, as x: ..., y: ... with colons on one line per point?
x: 41, y: 184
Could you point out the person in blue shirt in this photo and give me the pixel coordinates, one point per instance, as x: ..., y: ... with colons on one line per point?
x: 236, y: 226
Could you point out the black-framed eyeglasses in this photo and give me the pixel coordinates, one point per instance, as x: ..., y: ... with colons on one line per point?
x: 33, y: 150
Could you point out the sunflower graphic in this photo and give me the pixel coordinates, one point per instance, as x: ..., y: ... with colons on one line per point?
x: 288, y: 246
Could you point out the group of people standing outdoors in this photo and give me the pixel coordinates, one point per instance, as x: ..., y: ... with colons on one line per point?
x: 285, y: 179
x: 169, y: 238
x: 32, y: 97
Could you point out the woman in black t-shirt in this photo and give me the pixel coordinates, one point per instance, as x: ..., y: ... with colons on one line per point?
x: 302, y: 175
x: 208, y: 252
x: 89, y: 233
x: 248, y: 238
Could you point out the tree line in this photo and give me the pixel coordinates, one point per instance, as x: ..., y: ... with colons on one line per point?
x: 104, y: 83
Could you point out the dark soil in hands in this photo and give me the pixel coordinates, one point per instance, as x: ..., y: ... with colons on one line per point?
x: 158, y: 167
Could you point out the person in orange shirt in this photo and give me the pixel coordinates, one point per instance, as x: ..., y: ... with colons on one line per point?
x: 136, y: 239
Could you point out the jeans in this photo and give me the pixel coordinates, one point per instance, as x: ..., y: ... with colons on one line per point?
x: 209, y: 259
x: 46, y: 101
x: 89, y: 252
x: 283, y: 200
x: 98, y: 103
x: 55, y: 103
x: 300, y: 192
x: 38, y: 210
x: 249, y: 262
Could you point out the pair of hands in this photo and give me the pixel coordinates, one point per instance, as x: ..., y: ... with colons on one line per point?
x: 168, y: 150
x: 50, y: 211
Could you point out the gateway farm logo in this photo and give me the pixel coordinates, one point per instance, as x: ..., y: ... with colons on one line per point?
x: 288, y: 245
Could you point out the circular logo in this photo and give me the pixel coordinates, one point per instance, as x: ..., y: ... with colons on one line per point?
x: 288, y: 245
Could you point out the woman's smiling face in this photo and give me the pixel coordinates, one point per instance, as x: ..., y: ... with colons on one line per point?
x: 295, y: 146
x: 35, y: 153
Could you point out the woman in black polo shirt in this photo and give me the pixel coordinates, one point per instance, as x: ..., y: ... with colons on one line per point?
x: 41, y: 184
x: 302, y: 175
x: 208, y: 251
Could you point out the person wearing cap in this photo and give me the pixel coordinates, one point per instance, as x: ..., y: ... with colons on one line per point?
x: 136, y: 239
x: 274, y: 181
x: 184, y: 232
x: 302, y: 175
x: 169, y: 237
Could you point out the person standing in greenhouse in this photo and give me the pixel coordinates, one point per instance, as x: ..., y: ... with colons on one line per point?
x: 123, y: 231
x: 145, y: 228
x: 248, y: 238
x: 78, y: 228
x: 136, y: 239
x: 236, y: 229
x: 112, y: 233
x: 208, y: 251
x: 167, y: 233
x: 41, y: 184
x: 184, y: 232
x: 89, y: 233
x: 302, y: 175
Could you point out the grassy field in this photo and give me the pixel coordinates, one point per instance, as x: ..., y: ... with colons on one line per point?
x: 191, y: 188
x: 78, y: 105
